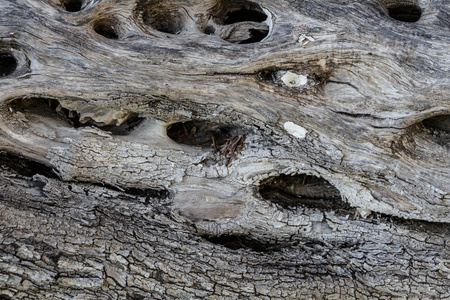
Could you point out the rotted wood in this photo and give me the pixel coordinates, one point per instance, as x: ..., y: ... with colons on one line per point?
x: 224, y: 149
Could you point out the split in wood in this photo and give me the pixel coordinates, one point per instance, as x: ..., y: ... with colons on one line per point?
x: 27, y: 167
x: 148, y: 195
x: 23, y: 166
x: 227, y: 140
x: 8, y: 63
x: 51, y: 108
x: 236, y: 242
x: 303, y: 190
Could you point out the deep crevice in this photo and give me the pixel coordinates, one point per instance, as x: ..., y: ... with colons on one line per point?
x: 148, y: 194
x: 122, y: 129
x: 152, y: 193
x: 8, y: 63
x: 236, y: 242
x: 24, y: 166
x: 131, y: 193
x: 302, y: 190
x: 51, y: 108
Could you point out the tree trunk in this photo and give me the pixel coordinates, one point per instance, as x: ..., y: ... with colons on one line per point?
x: 224, y: 149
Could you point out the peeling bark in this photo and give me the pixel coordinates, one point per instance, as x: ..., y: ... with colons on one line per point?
x: 224, y: 149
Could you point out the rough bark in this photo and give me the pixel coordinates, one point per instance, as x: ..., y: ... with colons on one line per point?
x: 224, y: 149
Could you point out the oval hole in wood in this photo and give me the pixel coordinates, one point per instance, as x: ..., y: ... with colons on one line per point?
x: 8, y: 64
x: 51, y: 108
x: 227, y: 140
x: 163, y: 17
x: 106, y: 28
x: 202, y: 133
x: 302, y: 190
x: 405, y: 12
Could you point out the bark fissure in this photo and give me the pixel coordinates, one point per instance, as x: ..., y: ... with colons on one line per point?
x: 77, y: 264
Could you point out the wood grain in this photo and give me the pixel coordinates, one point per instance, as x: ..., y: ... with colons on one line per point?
x: 90, y: 88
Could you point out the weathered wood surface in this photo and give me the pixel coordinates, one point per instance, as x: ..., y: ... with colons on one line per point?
x: 130, y: 204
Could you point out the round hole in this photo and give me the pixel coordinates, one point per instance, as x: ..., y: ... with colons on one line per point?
x: 239, y: 22
x: 107, y: 29
x: 244, y: 15
x: 169, y: 22
x: 405, y: 12
x: 73, y: 5
x: 8, y: 64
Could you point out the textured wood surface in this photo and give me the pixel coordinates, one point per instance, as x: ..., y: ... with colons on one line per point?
x: 290, y: 149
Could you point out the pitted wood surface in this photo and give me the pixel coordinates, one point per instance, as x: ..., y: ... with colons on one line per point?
x: 89, y: 89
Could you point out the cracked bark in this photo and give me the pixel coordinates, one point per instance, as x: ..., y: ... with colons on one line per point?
x: 153, y: 150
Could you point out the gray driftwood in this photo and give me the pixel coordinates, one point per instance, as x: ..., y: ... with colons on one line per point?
x: 224, y: 149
